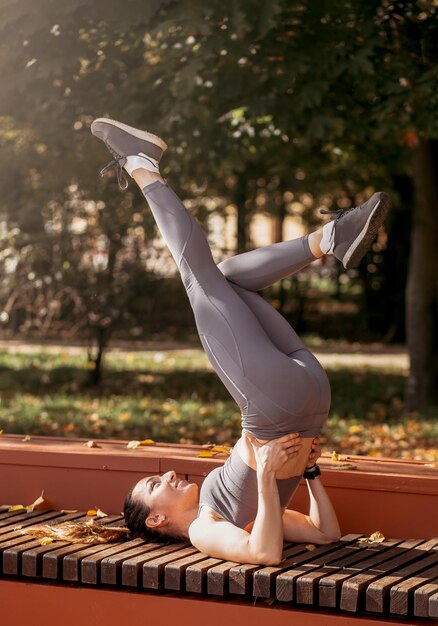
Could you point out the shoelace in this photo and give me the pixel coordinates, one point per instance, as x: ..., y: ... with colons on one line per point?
x: 122, y: 179
x: 335, y: 213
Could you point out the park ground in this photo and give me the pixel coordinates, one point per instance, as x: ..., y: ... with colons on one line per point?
x: 167, y: 391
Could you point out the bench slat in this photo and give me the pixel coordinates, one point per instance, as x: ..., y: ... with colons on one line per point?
x: 421, y: 598
x: 265, y: 579
x: 401, y: 593
x: 352, y: 598
x: 133, y: 567
x: 377, y: 594
x: 153, y: 570
x: 174, y: 573
x: 196, y: 575
x: 330, y: 586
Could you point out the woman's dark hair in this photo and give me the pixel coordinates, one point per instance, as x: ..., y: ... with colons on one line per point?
x: 136, y: 512
x: 92, y: 532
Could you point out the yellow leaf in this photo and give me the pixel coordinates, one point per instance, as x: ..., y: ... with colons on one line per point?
x: 16, y: 507
x: 38, y: 501
x: 91, y: 512
x: 45, y: 540
x: 355, y: 428
x: 205, y: 454
x: 221, y: 449
x: 335, y: 456
x: 147, y: 442
x: 310, y: 546
x: 1, y: 431
x: 133, y: 444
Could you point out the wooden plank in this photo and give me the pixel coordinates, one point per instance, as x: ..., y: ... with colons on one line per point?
x: 71, y: 563
x: 306, y: 576
x: 133, y: 567
x: 421, y: 598
x: 153, y: 569
x: 265, y: 578
x: 13, y: 518
x: 196, y: 575
x: 377, y: 593
x: 353, y: 596
x: 401, y: 594
x: 12, y: 556
x: 433, y: 605
x: 31, y: 560
x: 52, y: 566
x: 217, y: 578
x: 330, y: 586
x: 111, y: 566
x: 174, y: 573
x: 241, y: 578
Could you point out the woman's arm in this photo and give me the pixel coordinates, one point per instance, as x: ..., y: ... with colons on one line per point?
x: 321, y: 524
x: 264, y: 545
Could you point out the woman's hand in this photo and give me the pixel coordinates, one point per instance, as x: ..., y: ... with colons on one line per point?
x: 315, y: 451
x: 272, y: 455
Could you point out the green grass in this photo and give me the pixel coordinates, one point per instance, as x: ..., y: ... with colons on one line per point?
x: 175, y: 396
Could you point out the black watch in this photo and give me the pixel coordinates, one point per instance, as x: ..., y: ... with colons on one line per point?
x: 312, y: 473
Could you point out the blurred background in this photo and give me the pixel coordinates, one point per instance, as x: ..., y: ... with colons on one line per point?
x: 272, y: 110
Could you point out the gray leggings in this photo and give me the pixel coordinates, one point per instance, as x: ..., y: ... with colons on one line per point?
x: 278, y: 384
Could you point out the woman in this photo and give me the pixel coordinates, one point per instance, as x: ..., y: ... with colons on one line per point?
x: 240, y: 513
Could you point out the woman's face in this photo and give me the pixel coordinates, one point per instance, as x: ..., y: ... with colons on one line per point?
x: 167, y: 494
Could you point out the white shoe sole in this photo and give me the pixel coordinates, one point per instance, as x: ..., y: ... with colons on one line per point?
x: 356, y: 242
x: 140, y: 134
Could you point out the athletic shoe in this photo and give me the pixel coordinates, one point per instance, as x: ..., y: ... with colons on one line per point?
x: 350, y: 235
x: 124, y: 142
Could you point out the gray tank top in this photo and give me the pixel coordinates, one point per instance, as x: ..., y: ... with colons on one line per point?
x: 232, y: 490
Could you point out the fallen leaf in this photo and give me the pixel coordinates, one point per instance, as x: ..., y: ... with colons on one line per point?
x: 1, y: 431
x: 17, y: 527
x: 26, y: 438
x: 16, y: 507
x: 69, y: 510
x: 133, y: 444
x: 96, y: 512
x: 38, y: 501
x: 221, y: 449
x: 147, y: 442
x: 335, y: 456
x: 205, y: 454
x: 46, y: 540
x: 376, y: 537
x: 92, y: 444
x: 310, y: 546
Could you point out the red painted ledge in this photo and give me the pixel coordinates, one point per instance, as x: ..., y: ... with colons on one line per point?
x: 397, y: 497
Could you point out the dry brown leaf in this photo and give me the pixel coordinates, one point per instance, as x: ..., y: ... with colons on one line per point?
x: 92, y: 444
x: 310, y: 546
x: 38, y: 501
x: 375, y: 537
x: 96, y: 512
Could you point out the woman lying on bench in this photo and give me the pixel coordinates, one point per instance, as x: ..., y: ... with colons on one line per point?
x: 240, y: 513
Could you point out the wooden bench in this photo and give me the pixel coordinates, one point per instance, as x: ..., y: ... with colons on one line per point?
x: 330, y: 584
x: 394, y: 578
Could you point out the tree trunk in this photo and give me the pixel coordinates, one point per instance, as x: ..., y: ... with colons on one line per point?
x: 422, y: 285
x: 242, y: 216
